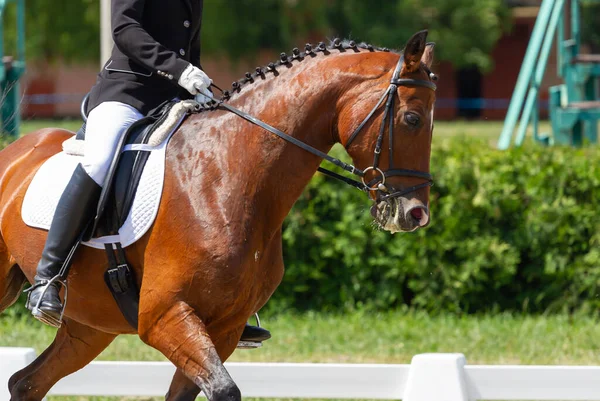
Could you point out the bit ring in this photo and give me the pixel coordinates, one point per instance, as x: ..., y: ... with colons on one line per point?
x: 376, y: 188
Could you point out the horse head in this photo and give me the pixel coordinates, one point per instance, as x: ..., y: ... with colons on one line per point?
x: 392, y: 144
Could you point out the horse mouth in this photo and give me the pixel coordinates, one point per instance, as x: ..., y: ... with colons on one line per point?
x: 395, y: 215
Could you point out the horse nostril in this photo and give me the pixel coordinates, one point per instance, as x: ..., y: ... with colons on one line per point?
x: 420, y: 216
x: 417, y: 213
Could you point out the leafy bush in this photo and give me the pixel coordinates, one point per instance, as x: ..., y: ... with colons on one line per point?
x: 514, y: 230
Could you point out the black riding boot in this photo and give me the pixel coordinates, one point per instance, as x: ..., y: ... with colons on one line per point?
x: 255, y: 334
x: 76, y: 208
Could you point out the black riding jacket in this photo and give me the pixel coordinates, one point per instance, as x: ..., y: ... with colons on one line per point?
x: 155, y: 41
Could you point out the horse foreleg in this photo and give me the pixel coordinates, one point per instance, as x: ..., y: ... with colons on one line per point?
x: 182, y: 337
x: 182, y: 388
x: 74, y: 346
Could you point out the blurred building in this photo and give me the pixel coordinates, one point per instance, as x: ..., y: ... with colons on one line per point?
x: 466, y: 93
x: 56, y: 90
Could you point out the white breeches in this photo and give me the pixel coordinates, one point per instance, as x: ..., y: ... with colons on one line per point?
x: 106, y: 123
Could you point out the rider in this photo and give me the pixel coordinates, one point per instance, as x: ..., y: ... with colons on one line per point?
x: 156, y: 57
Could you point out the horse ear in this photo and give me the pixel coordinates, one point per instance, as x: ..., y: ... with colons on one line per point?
x: 413, y: 51
x: 427, y: 58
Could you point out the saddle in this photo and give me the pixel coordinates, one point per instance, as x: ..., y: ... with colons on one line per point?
x: 116, y: 199
x: 123, y: 178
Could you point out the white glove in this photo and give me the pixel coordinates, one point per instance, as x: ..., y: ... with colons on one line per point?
x: 204, y: 96
x: 194, y: 80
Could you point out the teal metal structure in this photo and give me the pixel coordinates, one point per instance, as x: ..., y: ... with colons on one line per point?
x: 11, y: 70
x: 574, y: 105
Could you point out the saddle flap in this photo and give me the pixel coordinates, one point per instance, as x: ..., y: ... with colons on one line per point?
x: 141, y: 201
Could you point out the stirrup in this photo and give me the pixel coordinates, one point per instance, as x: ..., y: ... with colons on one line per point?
x: 251, y: 344
x: 38, y: 313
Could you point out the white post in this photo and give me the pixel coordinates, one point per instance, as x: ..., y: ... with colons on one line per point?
x: 439, y: 377
x: 13, y: 360
x: 106, y: 41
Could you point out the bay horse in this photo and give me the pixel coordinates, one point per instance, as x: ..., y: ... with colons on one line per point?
x: 214, y: 254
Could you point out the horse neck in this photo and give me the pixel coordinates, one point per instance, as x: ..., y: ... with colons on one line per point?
x: 251, y: 163
x: 302, y: 104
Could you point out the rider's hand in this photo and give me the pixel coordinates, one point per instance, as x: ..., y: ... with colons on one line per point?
x: 194, y: 80
x: 204, y: 96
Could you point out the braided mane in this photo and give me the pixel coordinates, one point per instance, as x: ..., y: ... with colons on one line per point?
x: 297, y: 55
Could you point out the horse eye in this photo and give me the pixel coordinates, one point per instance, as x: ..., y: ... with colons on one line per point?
x: 412, y: 119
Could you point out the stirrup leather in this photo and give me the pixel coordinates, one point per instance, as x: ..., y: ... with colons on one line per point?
x: 35, y: 309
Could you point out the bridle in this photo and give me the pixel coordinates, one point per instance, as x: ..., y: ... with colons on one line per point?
x: 388, y: 115
x: 377, y: 184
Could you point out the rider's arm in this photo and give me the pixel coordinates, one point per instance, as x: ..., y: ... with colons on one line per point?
x: 195, y: 52
x: 137, y: 44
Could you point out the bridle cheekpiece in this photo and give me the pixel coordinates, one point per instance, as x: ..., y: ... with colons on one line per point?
x: 389, y: 94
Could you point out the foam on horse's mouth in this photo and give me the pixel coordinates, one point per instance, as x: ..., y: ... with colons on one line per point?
x: 393, y: 223
x: 389, y: 216
x: 386, y: 214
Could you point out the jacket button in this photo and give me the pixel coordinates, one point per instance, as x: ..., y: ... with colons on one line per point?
x: 182, y: 52
x: 186, y: 23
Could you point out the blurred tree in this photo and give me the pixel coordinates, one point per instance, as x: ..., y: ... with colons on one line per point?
x: 591, y: 24
x: 64, y: 29
x: 468, y: 28
x: 242, y: 29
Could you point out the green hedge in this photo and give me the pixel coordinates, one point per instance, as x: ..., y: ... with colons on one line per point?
x: 516, y: 230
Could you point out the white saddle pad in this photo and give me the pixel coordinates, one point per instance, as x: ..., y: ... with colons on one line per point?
x: 51, y: 179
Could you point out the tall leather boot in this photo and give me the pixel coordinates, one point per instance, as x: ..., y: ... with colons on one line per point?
x: 255, y: 334
x: 75, y: 209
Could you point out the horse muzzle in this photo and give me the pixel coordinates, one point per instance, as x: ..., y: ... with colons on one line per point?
x: 400, y: 214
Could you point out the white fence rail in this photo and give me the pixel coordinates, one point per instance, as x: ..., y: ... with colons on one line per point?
x: 430, y: 377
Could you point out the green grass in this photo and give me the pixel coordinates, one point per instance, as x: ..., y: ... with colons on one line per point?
x: 489, y: 130
x: 444, y: 130
x: 390, y: 337
x: 33, y: 125
x: 29, y: 126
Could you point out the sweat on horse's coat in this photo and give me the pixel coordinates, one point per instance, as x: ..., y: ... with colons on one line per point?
x: 228, y: 187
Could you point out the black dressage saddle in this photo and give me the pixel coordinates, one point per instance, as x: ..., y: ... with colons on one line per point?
x: 116, y: 199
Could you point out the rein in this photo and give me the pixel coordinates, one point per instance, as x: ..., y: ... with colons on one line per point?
x: 395, y: 82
